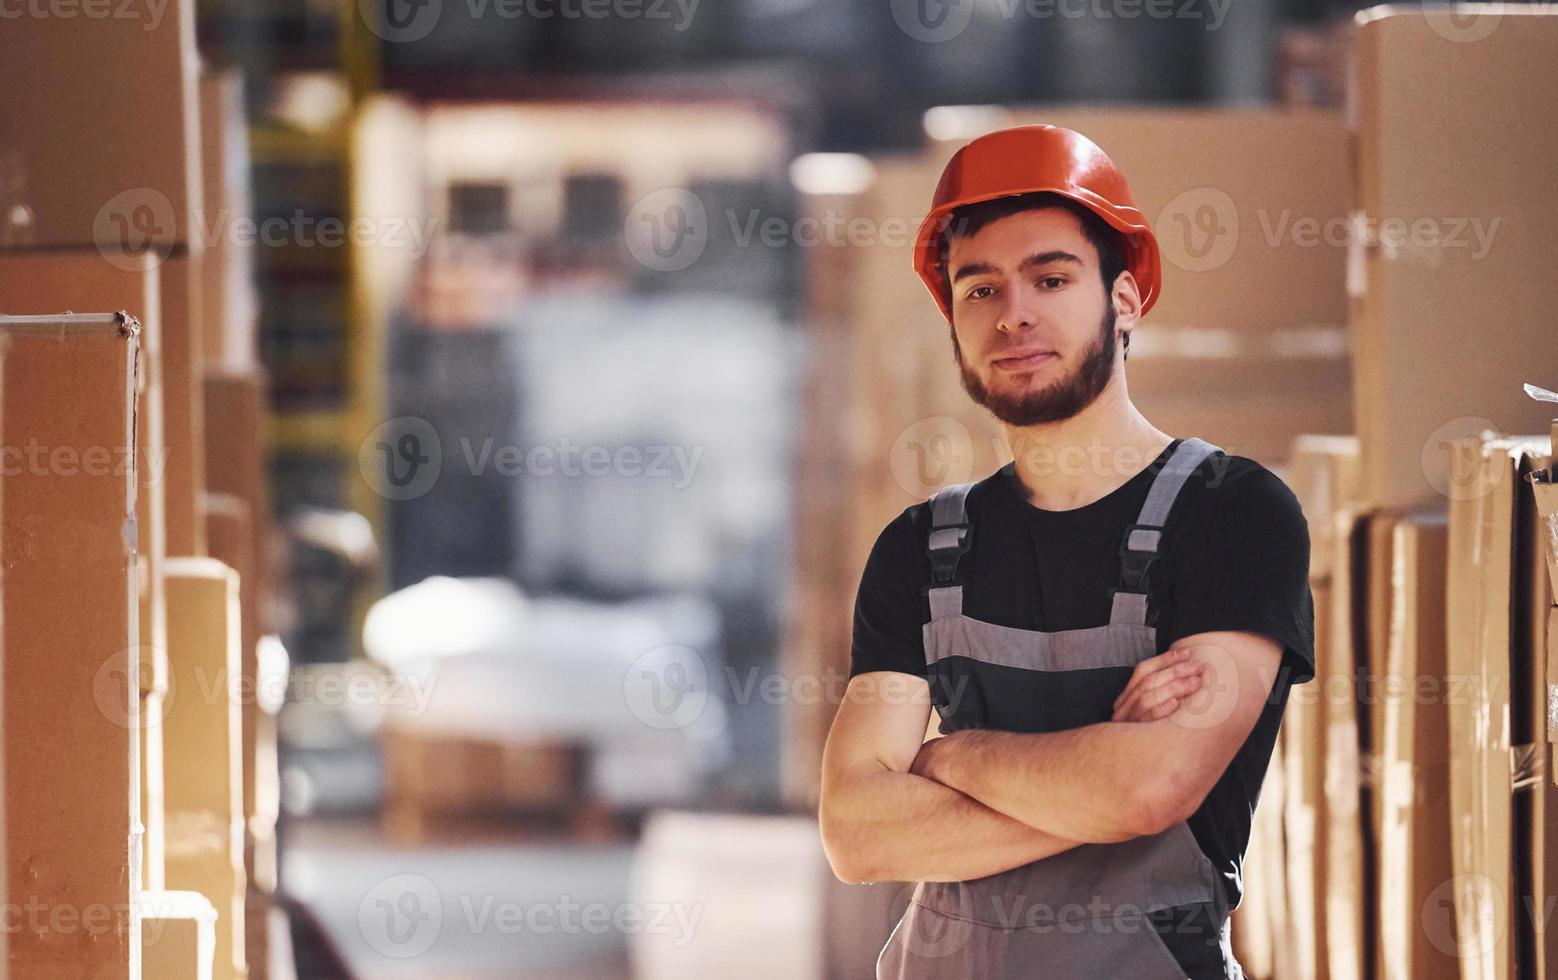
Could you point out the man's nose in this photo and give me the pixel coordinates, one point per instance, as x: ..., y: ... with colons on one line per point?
x: 1019, y: 312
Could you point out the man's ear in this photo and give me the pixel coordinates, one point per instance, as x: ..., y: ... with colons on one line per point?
x: 1126, y: 297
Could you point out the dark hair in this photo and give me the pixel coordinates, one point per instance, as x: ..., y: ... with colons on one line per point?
x: 969, y: 219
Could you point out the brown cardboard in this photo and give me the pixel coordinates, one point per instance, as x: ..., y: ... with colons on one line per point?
x: 1345, y: 851
x: 69, y: 632
x: 203, y: 739
x: 1323, y: 473
x: 184, y: 403
x: 178, y: 931
x: 1544, y: 489
x: 1414, y: 854
x: 1552, y: 692
x: 1536, y: 799
x: 1303, y: 735
x: 106, y: 142
x: 1445, y: 135
x: 227, y: 266
x: 1478, y: 608
x: 236, y: 469
x: 64, y: 279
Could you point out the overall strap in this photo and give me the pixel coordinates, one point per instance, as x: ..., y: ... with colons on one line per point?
x: 950, y: 539
x: 1139, y: 545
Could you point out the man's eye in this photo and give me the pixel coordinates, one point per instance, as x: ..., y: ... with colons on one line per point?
x: 974, y: 293
x: 1058, y: 280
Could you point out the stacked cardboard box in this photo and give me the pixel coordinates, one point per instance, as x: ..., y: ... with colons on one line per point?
x: 238, y: 532
x: 69, y: 630
x: 1412, y: 773
x: 1505, y: 823
x: 1323, y: 472
x: 39, y: 283
x: 178, y: 931
x: 203, y: 729
x: 1452, y: 205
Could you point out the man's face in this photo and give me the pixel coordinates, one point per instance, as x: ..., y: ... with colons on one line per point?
x: 1033, y: 330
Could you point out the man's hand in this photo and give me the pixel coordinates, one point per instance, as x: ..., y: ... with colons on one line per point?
x: 1158, y: 686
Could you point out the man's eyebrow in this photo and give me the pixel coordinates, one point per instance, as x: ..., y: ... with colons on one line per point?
x: 1036, y: 259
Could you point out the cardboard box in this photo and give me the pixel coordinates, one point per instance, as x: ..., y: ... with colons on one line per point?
x: 68, y: 625
x: 178, y: 931
x: 106, y: 145
x: 1544, y: 487
x: 227, y: 267
x: 1536, y: 799
x: 1303, y: 735
x: 83, y: 279
x: 1446, y: 145
x: 240, y: 527
x: 1347, y: 901
x: 1414, y: 784
x: 1552, y: 693
x: 1483, y: 630
x: 203, y: 741
x: 184, y: 403
x: 1324, y: 473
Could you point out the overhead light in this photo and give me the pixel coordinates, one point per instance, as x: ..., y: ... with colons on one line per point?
x: 831, y: 173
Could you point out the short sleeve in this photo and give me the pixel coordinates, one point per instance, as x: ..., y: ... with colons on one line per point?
x: 889, y: 609
x: 1242, y: 564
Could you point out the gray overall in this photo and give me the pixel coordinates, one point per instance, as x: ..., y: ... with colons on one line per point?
x: 1081, y: 914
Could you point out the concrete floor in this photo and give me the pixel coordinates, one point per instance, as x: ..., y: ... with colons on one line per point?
x: 510, y: 911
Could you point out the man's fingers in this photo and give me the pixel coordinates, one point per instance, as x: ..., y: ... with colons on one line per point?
x: 1149, y: 668
x: 1156, y: 669
x: 1174, y: 684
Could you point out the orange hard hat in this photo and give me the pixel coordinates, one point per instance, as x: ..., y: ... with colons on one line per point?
x: 1027, y: 159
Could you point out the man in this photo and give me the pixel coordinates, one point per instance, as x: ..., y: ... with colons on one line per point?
x: 1107, y: 626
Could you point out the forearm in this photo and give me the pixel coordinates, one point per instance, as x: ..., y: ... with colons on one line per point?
x: 897, y: 826
x: 1083, y: 784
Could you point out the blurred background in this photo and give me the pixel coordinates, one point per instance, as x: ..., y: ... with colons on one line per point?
x: 546, y: 368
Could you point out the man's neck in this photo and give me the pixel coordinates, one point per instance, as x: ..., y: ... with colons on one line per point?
x: 1070, y: 463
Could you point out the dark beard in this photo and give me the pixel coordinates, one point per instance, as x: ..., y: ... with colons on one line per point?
x: 1057, y: 401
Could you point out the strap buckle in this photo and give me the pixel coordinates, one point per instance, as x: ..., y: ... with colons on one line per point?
x: 944, y: 554
x: 1134, y: 562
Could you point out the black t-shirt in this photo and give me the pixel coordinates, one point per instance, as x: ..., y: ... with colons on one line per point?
x: 1234, y: 556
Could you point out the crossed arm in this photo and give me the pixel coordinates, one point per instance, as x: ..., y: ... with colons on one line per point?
x: 978, y: 802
